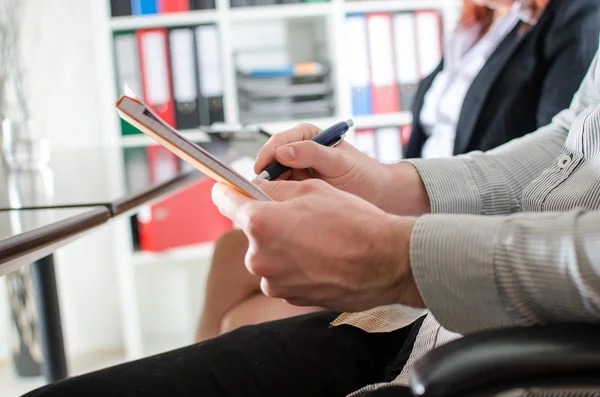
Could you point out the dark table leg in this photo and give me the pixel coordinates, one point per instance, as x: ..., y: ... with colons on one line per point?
x: 46, y: 296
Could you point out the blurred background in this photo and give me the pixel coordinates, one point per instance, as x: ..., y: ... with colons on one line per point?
x: 128, y: 289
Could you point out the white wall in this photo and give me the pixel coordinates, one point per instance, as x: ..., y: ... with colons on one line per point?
x: 66, y: 95
x: 61, y: 67
x: 4, y: 323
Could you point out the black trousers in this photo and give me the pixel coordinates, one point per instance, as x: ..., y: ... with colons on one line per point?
x: 300, y: 356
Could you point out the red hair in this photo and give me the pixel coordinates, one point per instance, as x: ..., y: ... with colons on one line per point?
x: 473, y: 13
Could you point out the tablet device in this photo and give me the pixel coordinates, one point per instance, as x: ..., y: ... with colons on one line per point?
x: 137, y: 113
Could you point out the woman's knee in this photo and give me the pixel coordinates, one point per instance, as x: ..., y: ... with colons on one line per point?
x: 232, y: 240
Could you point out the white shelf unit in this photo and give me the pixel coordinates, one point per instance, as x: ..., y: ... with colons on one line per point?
x: 141, y: 258
x: 280, y: 11
x: 163, y: 20
x: 333, y: 13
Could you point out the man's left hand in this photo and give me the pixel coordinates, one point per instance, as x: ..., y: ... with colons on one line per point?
x: 317, y: 245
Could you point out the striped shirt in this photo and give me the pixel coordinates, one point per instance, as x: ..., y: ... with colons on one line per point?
x: 514, y: 234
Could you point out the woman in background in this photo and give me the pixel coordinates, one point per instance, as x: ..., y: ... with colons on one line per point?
x: 508, y: 68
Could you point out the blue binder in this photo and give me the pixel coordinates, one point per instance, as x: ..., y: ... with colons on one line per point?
x: 141, y: 7
x: 361, y: 101
x: 360, y: 81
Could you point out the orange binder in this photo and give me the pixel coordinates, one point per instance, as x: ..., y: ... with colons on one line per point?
x: 385, y: 95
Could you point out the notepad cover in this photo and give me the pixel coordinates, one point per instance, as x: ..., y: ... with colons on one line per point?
x: 134, y: 111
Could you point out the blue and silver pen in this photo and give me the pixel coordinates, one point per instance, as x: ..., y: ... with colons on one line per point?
x: 329, y: 137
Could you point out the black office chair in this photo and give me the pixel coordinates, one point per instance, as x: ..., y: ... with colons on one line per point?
x: 489, y: 362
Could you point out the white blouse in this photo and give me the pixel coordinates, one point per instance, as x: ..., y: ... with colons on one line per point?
x: 464, y: 57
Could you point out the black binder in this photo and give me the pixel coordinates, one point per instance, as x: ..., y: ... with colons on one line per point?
x: 211, y: 98
x: 184, y: 69
x: 120, y: 8
x: 202, y: 4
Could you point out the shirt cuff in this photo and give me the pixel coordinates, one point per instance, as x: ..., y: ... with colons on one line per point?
x: 452, y: 260
x: 467, y: 184
x: 450, y: 185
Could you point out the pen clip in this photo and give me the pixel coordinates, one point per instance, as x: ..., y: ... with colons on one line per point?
x: 341, y: 138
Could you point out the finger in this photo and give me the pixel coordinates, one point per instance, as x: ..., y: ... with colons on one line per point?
x: 261, y: 265
x: 272, y: 288
x: 232, y: 204
x: 294, y: 175
x: 266, y: 155
x: 328, y: 161
x: 290, y: 289
x: 286, y: 190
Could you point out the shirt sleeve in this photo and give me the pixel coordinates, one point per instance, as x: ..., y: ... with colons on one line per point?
x: 491, y: 183
x: 477, y: 272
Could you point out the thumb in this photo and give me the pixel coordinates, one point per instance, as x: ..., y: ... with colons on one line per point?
x: 280, y: 190
x: 327, y: 161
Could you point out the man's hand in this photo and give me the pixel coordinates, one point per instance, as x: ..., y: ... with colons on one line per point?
x: 316, y: 245
x: 396, y: 189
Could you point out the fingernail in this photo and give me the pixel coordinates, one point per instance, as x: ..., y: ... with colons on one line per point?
x: 258, y: 181
x: 286, y: 153
x: 216, y: 191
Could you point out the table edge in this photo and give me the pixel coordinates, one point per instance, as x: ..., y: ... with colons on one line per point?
x: 33, y: 240
x: 172, y: 186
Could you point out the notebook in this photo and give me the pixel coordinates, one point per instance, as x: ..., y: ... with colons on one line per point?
x: 137, y: 113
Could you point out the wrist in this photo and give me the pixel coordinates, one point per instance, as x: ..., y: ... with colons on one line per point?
x: 403, y: 288
x: 402, y: 191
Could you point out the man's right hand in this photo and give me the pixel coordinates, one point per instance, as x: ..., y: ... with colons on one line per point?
x: 346, y: 168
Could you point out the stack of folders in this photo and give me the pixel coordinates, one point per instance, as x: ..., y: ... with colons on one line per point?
x: 178, y: 73
x: 384, y: 144
x: 392, y: 53
x: 250, y: 3
x: 121, y: 8
x: 288, y: 92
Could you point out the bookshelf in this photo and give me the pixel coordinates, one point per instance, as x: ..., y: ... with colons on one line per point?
x: 333, y: 13
x: 332, y: 16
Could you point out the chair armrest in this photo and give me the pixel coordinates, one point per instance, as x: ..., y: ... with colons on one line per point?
x: 558, y: 355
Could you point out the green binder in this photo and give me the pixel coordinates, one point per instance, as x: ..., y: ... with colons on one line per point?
x: 127, y: 70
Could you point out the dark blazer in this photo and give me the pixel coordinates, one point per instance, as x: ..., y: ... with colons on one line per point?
x: 525, y: 82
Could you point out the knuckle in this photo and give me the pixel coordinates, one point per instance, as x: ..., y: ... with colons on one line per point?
x: 275, y: 141
x: 315, y: 185
x: 255, y: 262
x: 256, y: 223
x: 309, y: 147
x: 306, y: 187
x: 297, y: 301
x: 304, y: 131
x: 308, y: 127
x: 271, y: 289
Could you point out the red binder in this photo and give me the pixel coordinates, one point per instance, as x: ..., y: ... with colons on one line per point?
x: 187, y: 218
x: 405, y: 132
x: 166, y: 224
x: 157, y: 93
x: 384, y: 95
x: 156, y: 72
x: 165, y: 6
